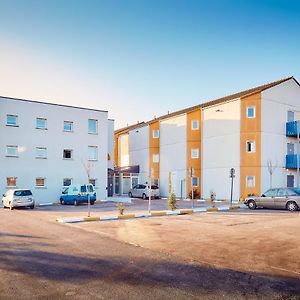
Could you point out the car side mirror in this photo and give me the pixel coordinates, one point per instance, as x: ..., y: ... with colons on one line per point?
x: 3, y: 195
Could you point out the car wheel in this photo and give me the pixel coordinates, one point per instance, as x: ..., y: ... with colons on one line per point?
x: 11, y: 208
x: 62, y: 202
x: 251, y: 204
x: 31, y: 206
x: 92, y: 202
x: 292, y: 206
x: 144, y: 196
x: 130, y: 194
x: 75, y: 202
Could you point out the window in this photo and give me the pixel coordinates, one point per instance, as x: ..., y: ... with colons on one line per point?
x: 68, y: 154
x: 11, y: 120
x: 270, y: 193
x: 40, y: 152
x: 93, y: 124
x: 40, y: 182
x: 11, y: 181
x: 67, y: 181
x: 250, y: 181
x: 68, y: 126
x: 195, y: 181
x: 250, y: 146
x: 12, y: 151
x: 41, y: 123
x: 251, y: 112
x: 155, y: 158
x: 93, y: 153
x: 93, y: 181
x: 195, y: 153
x: 155, y: 133
x: 195, y: 124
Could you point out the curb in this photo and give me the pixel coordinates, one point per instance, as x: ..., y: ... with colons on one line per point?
x: 234, y: 207
x: 144, y: 215
x: 209, y: 209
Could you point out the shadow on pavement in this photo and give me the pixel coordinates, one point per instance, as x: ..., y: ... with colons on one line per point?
x: 138, y: 272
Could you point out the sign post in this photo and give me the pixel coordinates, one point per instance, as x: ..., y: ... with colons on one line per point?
x: 192, y: 171
x: 232, y: 175
x: 149, y: 189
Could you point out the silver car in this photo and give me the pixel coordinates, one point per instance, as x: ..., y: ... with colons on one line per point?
x: 142, y: 191
x: 278, y: 198
x: 18, y: 198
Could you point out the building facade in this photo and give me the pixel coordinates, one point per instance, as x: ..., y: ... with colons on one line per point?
x: 43, y: 147
x: 253, y: 131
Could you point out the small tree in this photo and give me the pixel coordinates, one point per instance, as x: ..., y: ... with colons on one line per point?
x: 271, y: 170
x: 172, y: 201
x: 88, y: 168
x: 121, y: 208
x: 212, y: 198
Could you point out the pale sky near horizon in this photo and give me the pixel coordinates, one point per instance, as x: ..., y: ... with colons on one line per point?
x: 138, y: 59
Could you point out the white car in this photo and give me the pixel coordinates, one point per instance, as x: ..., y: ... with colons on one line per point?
x: 142, y: 191
x: 18, y: 198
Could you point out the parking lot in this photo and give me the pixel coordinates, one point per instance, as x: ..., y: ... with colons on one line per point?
x: 218, y: 255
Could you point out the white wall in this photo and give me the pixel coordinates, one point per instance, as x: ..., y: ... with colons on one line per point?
x: 173, y: 153
x: 276, y: 102
x: 110, y: 143
x: 221, y: 149
x: 26, y: 167
x: 123, y: 150
x: 139, y: 150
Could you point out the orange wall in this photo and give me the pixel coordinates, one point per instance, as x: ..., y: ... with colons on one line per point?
x: 250, y: 130
x: 154, y: 149
x: 193, y: 141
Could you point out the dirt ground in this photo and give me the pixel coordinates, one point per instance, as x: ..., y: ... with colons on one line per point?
x: 225, y: 255
x: 260, y: 242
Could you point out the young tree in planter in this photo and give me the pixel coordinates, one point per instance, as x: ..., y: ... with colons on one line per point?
x: 212, y: 198
x: 87, y: 165
x: 172, y: 201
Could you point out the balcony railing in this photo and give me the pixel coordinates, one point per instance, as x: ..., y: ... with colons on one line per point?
x: 291, y: 161
x: 291, y: 128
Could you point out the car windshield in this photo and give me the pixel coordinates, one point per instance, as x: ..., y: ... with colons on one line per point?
x: 65, y: 191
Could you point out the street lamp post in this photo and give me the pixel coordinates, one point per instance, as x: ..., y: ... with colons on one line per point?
x: 232, y: 175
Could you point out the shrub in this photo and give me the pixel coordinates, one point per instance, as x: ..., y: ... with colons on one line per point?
x: 212, y: 198
x: 196, y: 194
x: 121, y: 208
x: 172, y: 201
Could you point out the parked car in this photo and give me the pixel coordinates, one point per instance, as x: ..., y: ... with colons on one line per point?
x: 18, y: 198
x: 142, y: 191
x: 278, y: 198
x: 76, y: 194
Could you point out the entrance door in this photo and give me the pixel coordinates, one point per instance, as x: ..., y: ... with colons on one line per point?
x: 290, y: 180
x: 110, y: 186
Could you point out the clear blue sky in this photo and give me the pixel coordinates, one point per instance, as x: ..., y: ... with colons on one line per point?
x: 140, y: 58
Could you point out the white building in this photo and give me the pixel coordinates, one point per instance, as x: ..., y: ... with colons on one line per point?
x: 43, y: 147
x: 244, y: 131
